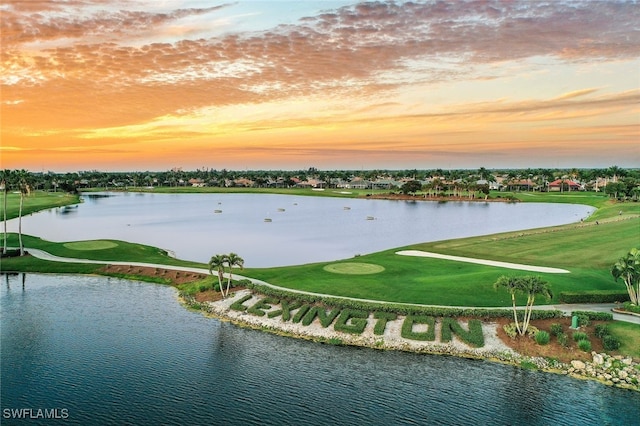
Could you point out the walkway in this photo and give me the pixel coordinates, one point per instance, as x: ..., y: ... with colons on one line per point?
x: 567, y: 309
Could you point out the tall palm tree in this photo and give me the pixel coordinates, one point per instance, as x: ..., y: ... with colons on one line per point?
x: 233, y: 260
x: 529, y: 285
x: 23, y: 181
x: 533, y: 286
x: 512, y: 284
x: 5, y: 183
x: 217, y: 263
x: 628, y: 268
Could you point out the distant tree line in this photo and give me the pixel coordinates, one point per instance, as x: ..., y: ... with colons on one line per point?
x: 615, y: 181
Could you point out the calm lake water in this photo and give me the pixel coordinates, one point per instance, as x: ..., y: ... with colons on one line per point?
x: 110, y: 351
x: 303, y: 229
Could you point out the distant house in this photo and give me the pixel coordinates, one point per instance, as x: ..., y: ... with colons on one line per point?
x: 564, y: 185
x: 196, y: 182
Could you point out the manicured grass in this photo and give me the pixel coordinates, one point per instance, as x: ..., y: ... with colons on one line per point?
x: 36, y: 201
x: 91, y: 245
x: 118, y: 251
x: 31, y: 264
x: 587, y: 250
x: 353, y: 268
x: 629, y: 336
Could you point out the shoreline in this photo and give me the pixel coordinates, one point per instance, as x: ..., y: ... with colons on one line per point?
x: 614, y: 371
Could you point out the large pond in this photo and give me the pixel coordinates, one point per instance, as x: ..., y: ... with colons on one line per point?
x: 108, y: 351
x: 302, y: 229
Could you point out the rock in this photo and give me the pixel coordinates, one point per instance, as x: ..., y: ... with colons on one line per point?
x: 627, y: 361
x: 578, y: 365
x: 598, y: 359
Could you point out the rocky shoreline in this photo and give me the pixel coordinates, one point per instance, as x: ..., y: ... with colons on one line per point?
x: 611, y: 370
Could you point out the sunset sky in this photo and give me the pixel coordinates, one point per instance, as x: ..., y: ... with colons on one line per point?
x: 118, y: 85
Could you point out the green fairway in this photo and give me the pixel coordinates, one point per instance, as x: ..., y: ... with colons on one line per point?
x: 586, y: 250
x: 111, y: 250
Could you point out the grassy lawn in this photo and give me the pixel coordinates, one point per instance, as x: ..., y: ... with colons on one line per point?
x: 36, y: 201
x: 629, y: 336
x: 587, y: 251
x: 101, y: 250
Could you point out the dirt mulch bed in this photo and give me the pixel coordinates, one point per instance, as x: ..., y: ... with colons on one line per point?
x: 175, y: 277
x: 527, y: 345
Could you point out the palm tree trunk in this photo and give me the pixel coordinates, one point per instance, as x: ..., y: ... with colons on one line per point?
x: 20, y: 225
x: 515, y: 313
x: 4, y: 246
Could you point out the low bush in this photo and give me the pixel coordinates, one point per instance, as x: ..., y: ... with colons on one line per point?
x: 563, y: 339
x: 579, y: 335
x: 351, y: 321
x: 381, y: 323
x: 238, y: 304
x: 594, y: 296
x: 628, y: 306
x: 583, y: 320
x: 610, y: 343
x: 325, y: 318
x: 584, y: 345
x: 473, y: 336
x: 399, y: 309
x: 601, y: 330
x: 594, y: 316
x: 542, y: 337
x: 556, y: 329
x: 258, y: 309
x: 407, y: 328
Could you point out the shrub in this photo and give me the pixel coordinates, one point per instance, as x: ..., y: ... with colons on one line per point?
x: 594, y: 316
x: 563, y: 339
x: 325, y: 318
x: 351, y: 321
x: 610, y: 343
x: 286, y: 308
x: 258, y: 309
x: 583, y: 320
x: 594, y: 296
x: 407, y: 328
x: 556, y: 329
x: 238, y: 304
x: 579, y: 335
x: 628, y: 306
x: 601, y: 330
x: 473, y: 337
x: 381, y: 324
x: 202, y: 288
x: 584, y: 345
x: 542, y: 337
x: 300, y: 314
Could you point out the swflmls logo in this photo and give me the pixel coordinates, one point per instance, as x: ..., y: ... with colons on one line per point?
x: 30, y: 413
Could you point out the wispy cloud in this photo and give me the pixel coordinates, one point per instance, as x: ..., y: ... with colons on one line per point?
x: 85, y: 65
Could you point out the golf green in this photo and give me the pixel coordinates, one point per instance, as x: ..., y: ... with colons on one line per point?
x: 354, y: 268
x: 91, y: 245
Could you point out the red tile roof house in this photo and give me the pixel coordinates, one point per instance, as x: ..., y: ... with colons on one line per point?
x: 557, y: 185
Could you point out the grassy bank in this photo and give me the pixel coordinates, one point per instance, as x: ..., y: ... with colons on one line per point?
x: 36, y: 201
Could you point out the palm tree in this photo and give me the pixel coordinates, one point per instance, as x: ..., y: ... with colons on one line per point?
x: 217, y: 263
x: 533, y: 286
x: 233, y: 260
x: 529, y: 285
x: 628, y: 268
x: 512, y: 286
x: 23, y: 180
x: 5, y: 183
